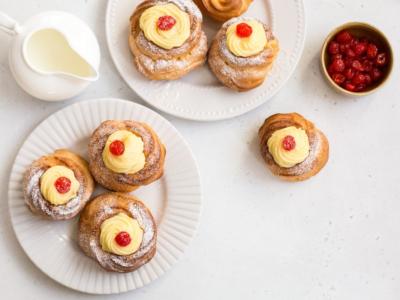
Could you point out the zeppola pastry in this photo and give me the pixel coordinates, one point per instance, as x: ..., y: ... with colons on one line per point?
x: 58, y: 185
x: 223, y: 10
x: 124, y: 155
x: 242, y: 53
x: 118, y: 231
x: 166, y: 38
x: 293, y: 148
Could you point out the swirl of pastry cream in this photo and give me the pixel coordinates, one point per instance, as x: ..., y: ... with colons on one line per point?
x: 289, y: 158
x: 167, y: 39
x: 246, y: 46
x: 111, y: 227
x: 49, y: 190
x: 132, y: 160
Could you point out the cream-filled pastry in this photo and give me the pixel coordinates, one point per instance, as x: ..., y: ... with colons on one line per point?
x: 58, y: 185
x: 166, y: 38
x: 118, y: 231
x: 242, y: 53
x: 124, y: 155
x: 223, y: 10
x: 293, y: 148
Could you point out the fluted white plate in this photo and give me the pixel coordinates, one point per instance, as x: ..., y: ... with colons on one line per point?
x: 175, y: 199
x: 199, y: 95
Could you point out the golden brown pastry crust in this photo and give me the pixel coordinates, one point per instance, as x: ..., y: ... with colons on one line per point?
x: 319, y: 147
x: 241, y: 73
x: 106, y: 206
x: 154, y: 152
x: 157, y: 63
x: 33, y: 196
x: 223, y: 10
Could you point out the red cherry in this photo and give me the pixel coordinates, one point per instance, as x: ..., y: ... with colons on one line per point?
x: 333, y: 47
x: 165, y: 22
x: 360, y: 48
x: 349, y: 73
x: 123, y: 239
x: 62, y: 185
x: 348, y: 62
x: 117, y: 148
x: 360, y: 87
x: 367, y: 65
x: 376, y: 74
x: 344, y: 37
x: 372, y: 51
x: 368, y: 79
x: 357, y: 65
x: 338, y: 65
x: 381, y: 59
x: 338, y: 78
x: 350, y: 53
x: 358, y: 79
x: 349, y: 86
x: 243, y: 30
x: 288, y: 143
x: 336, y: 56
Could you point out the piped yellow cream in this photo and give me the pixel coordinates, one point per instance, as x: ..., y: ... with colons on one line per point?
x: 289, y: 158
x: 133, y: 158
x: 167, y: 39
x: 246, y: 46
x: 48, y: 188
x: 111, y: 227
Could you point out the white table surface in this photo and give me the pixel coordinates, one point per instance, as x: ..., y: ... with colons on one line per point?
x: 336, y: 236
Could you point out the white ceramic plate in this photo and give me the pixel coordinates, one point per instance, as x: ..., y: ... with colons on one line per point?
x: 175, y: 199
x: 199, y: 96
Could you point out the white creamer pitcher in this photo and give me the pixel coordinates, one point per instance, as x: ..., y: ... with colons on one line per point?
x: 54, y: 55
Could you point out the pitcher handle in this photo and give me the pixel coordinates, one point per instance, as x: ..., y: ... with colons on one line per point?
x: 8, y: 24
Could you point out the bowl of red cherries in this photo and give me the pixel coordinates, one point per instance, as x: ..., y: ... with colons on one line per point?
x: 356, y: 59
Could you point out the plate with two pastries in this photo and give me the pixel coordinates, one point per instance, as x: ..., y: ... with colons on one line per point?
x: 104, y: 196
x: 205, y: 59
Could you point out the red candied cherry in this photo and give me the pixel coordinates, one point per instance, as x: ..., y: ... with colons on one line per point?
x: 348, y: 62
x: 243, y: 30
x: 349, y: 73
x: 350, y: 53
x: 381, y: 59
x: 338, y: 65
x: 367, y: 65
x: 349, y: 86
x: 338, y: 78
x: 356, y: 65
x: 333, y: 47
x: 62, y: 185
x: 372, y: 51
x: 336, y: 56
x: 367, y: 79
x: 376, y: 74
x: 360, y: 48
x: 165, y: 23
x: 358, y: 79
x: 117, y: 148
x: 288, y: 143
x: 360, y: 87
x: 344, y: 37
x: 123, y: 239
x: 344, y: 47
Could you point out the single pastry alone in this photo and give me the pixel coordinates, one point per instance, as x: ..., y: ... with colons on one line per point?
x: 118, y: 231
x: 223, y: 10
x: 58, y: 185
x: 242, y: 53
x: 124, y: 155
x: 166, y: 38
x: 293, y: 148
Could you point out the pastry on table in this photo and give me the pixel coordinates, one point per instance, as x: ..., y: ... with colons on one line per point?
x: 58, y: 185
x: 166, y: 38
x: 124, y: 155
x: 118, y: 231
x: 242, y: 53
x: 293, y: 148
x: 223, y: 10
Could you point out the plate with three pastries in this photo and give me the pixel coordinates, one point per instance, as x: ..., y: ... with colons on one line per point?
x: 205, y: 59
x: 104, y: 196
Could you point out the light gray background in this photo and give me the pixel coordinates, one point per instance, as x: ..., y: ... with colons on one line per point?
x: 336, y: 236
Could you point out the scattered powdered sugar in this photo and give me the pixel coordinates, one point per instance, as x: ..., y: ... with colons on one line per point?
x: 188, y: 6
